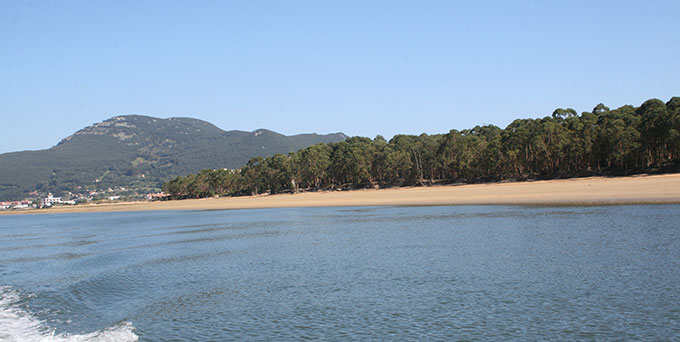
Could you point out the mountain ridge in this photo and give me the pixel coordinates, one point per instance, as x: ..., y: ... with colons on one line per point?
x: 138, y: 151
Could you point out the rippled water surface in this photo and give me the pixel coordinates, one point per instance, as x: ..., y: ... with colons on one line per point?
x: 403, y: 273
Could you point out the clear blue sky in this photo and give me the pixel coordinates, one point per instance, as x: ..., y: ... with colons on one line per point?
x: 359, y: 67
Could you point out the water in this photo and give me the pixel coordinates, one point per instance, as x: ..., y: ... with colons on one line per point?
x: 389, y: 273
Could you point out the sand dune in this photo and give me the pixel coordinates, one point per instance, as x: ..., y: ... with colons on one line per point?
x: 578, y: 191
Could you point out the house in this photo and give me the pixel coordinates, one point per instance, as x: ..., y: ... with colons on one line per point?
x: 21, y: 205
x: 50, y: 200
x: 156, y: 196
x: 25, y: 204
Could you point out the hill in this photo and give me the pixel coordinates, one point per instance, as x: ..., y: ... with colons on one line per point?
x: 140, y: 152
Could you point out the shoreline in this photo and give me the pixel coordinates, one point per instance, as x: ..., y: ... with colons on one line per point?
x: 639, y: 189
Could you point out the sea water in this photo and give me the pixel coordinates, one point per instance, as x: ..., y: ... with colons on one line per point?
x: 342, y: 274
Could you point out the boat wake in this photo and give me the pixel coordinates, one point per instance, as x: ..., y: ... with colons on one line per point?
x: 18, y: 325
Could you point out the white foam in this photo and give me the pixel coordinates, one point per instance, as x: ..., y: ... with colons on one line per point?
x: 18, y: 325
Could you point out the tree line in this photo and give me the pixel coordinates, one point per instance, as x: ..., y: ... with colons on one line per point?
x: 620, y: 141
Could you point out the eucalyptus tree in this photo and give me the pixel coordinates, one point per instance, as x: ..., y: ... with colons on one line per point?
x: 655, y: 130
x: 313, y: 163
x: 673, y: 108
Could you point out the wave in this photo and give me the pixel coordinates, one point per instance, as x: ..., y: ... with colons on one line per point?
x: 18, y: 325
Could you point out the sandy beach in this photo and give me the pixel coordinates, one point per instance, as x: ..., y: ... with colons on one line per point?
x: 641, y: 189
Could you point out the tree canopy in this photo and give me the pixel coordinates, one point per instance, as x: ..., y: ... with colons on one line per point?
x: 565, y: 144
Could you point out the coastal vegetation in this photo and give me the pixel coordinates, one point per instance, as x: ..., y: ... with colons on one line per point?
x: 565, y: 144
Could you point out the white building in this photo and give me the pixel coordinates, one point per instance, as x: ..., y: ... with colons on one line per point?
x: 49, y: 200
x: 21, y: 205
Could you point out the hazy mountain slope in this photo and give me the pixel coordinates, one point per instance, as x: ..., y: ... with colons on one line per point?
x: 139, y: 151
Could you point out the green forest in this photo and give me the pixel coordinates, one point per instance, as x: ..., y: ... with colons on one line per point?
x: 625, y: 140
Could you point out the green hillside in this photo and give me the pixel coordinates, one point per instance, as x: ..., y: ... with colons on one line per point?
x: 140, y: 152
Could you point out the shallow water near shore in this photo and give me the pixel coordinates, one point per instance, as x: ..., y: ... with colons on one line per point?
x: 370, y: 273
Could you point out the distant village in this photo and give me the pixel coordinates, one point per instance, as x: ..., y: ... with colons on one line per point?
x: 92, y: 197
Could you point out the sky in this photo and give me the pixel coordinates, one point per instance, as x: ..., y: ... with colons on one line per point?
x: 359, y: 67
